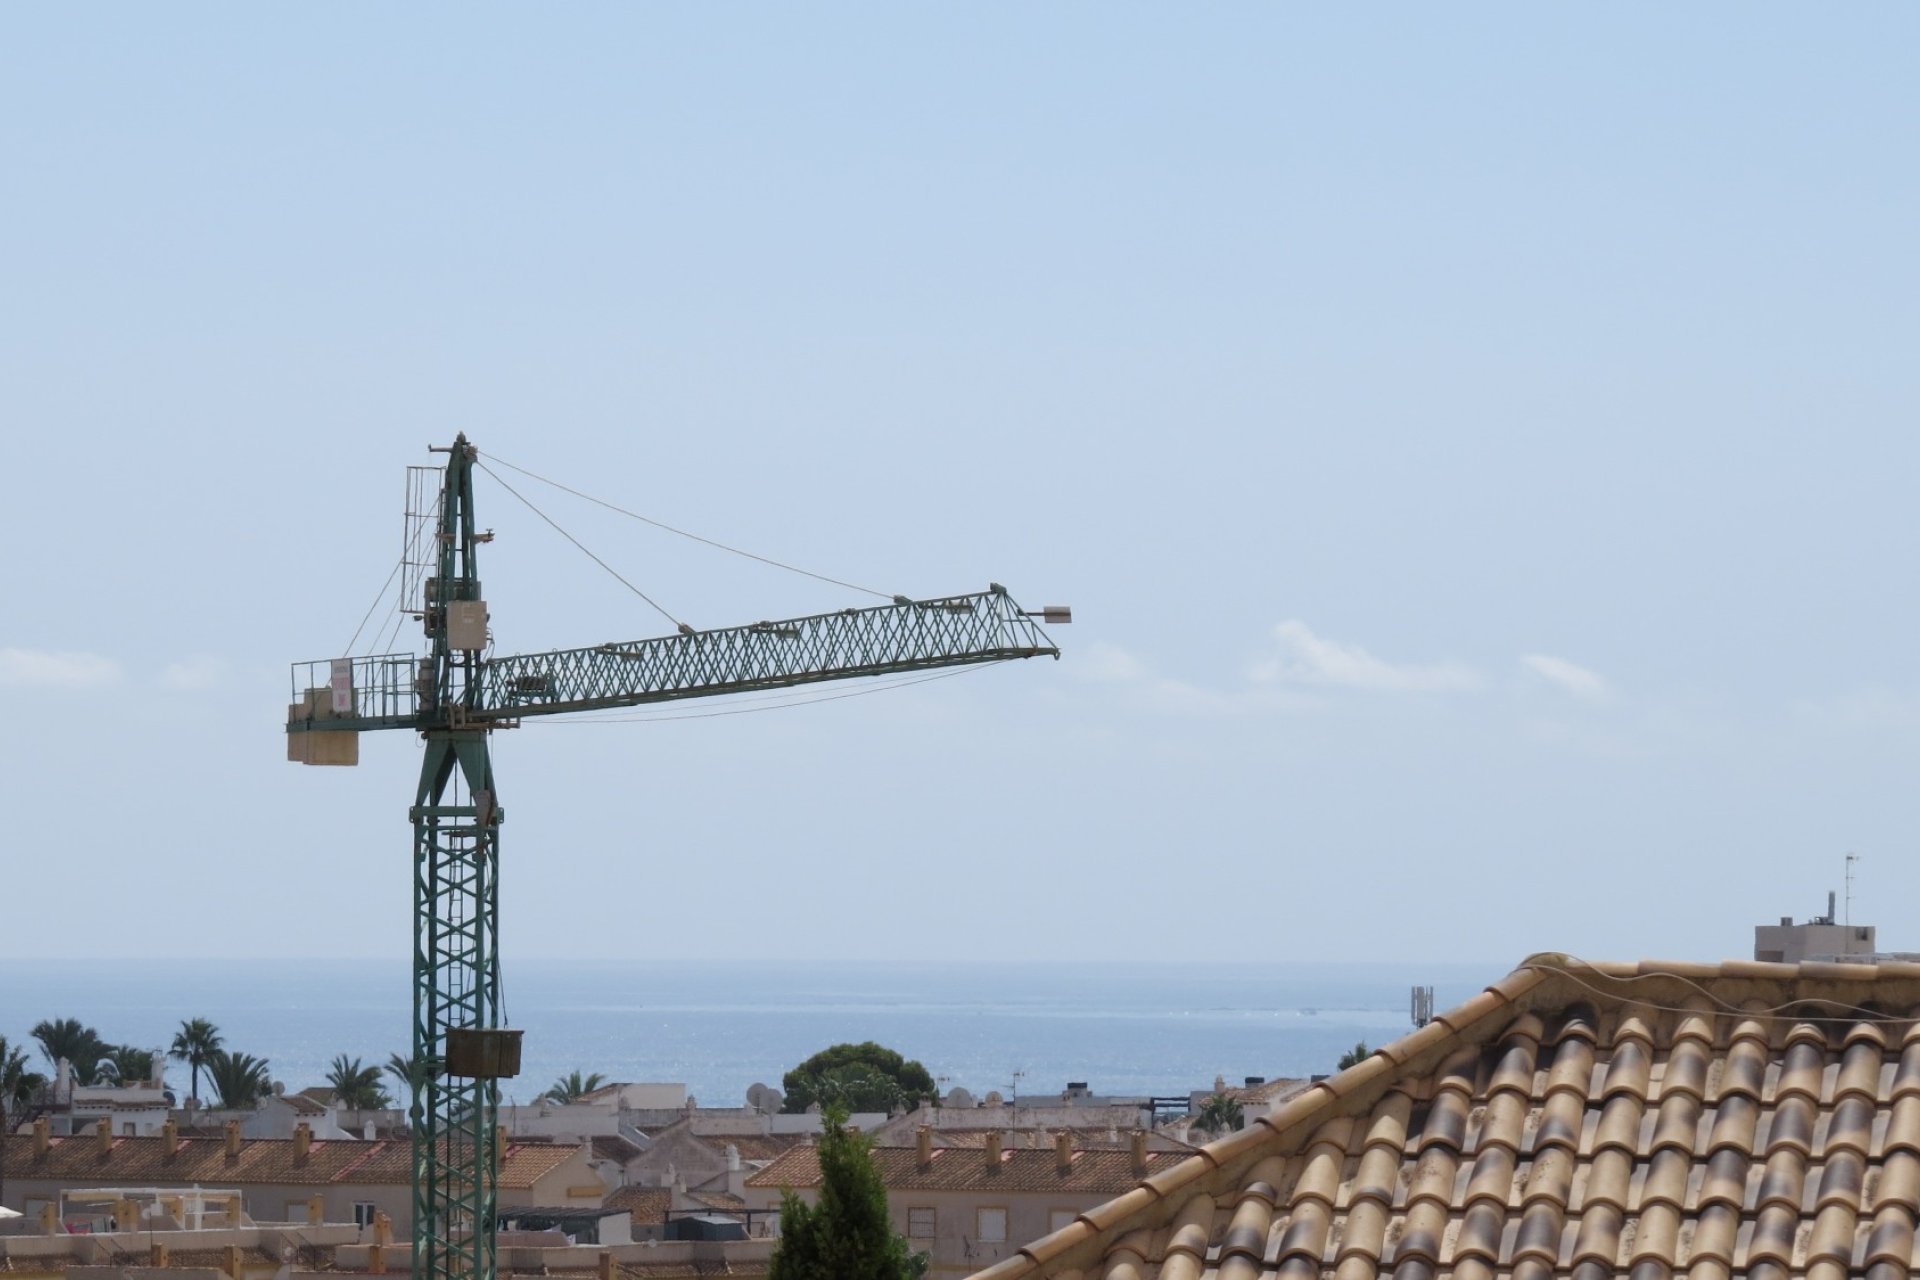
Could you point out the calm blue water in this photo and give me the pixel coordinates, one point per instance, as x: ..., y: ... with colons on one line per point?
x: 719, y: 1027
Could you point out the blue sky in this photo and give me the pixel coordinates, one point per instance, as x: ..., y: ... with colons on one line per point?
x: 1476, y: 443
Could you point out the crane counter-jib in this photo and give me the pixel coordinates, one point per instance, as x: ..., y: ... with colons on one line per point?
x: 347, y: 696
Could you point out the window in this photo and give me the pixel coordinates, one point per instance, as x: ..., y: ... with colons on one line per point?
x: 991, y: 1225
x: 1059, y: 1219
x: 363, y: 1211
x: 920, y: 1220
x: 129, y: 1129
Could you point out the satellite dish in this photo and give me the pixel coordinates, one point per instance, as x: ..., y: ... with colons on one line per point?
x: 764, y: 1098
x: 993, y: 1099
x: 958, y: 1097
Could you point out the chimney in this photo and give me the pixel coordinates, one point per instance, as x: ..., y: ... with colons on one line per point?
x: 1139, y: 1153
x: 233, y: 1139
x: 233, y: 1265
x: 733, y: 1158
x: 376, y: 1260
x: 302, y: 1142
x: 169, y: 1139
x: 606, y: 1264
x: 368, y: 1131
x: 316, y: 1210
x: 382, y: 1227
x: 126, y: 1215
x: 49, y: 1221
x: 157, y: 1254
x: 103, y: 1136
x: 42, y: 1138
x: 1063, y: 1150
x: 923, y: 1146
x: 993, y: 1148
x: 500, y: 1148
x: 234, y: 1217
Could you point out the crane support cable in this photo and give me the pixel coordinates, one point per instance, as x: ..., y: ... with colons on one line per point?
x: 396, y: 613
x: 787, y: 704
x: 577, y: 543
x: 660, y: 524
x: 375, y: 605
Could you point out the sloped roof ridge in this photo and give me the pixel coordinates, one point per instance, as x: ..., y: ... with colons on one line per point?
x: 1170, y: 1190
x: 1756, y: 990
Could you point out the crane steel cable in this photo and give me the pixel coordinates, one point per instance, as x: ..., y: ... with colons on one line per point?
x: 576, y: 542
x: 406, y: 555
x: 398, y: 565
x: 779, y: 698
x: 777, y: 706
x: 660, y: 524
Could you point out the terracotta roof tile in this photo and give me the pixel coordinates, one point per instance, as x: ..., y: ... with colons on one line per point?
x: 963, y: 1169
x: 1574, y: 1120
x: 143, y: 1162
x: 644, y: 1204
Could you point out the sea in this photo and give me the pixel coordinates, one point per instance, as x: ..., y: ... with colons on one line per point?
x: 1144, y: 1027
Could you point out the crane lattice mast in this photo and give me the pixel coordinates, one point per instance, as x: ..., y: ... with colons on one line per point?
x: 455, y: 697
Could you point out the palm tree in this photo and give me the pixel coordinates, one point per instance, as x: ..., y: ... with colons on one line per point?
x: 355, y: 1087
x: 79, y: 1044
x: 569, y: 1088
x: 400, y: 1067
x: 195, y: 1044
x: 239, y: 1079
x: 1354, y: 1056
x: 128, y: 1064
x: 18, y: 1088
x: 1220, y: 1114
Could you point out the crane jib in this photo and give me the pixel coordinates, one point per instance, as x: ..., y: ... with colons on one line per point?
x: 387, y: 691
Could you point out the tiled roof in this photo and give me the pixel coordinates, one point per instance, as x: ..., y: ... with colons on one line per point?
x: 132, y: 1162
x: 614, y: 1147
x: 1573, y: 1120
x: 725, y: 1201
x: 643, y: 1204
x: 1025, y: 1139
x: 754, y: 1146
x: 961, y: 1169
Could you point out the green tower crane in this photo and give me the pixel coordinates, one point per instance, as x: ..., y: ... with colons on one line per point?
x: 454, y: 698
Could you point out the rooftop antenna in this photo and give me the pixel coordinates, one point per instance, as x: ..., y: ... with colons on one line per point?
x: 1851, y: 859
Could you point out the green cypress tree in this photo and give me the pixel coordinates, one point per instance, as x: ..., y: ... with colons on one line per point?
x: 846, y: 1235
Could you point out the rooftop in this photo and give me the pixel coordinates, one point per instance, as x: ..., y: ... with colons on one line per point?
x: 1573, y: 1120
x: 966, y: 1169
x: 144, y: 1161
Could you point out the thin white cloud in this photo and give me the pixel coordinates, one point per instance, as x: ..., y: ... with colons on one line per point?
x: 1301, y: 657
x: 193, y: 673
x: 1574, y: 679
x: 1108, y: 664
x: 50, y: 669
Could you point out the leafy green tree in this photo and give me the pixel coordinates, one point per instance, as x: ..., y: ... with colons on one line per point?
x: 570, y: 1087
x: 846, y: 1074
x: 78, y: 1043
x: 195, y: 1043
x: 127, y: 1064
x: 1354, y: 1056
x: 1220, y: 1114
x: 846, y: 1234
x: 239, y: 1080
x: 355, y: 1087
